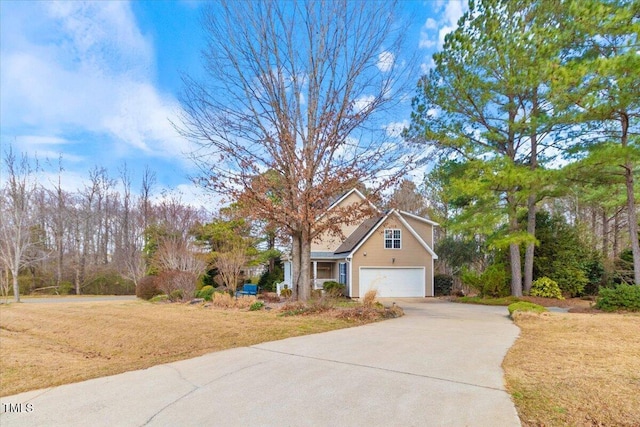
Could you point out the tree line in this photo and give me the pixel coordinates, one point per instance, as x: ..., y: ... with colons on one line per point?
x: 533, y: 108
x: 101, y: 238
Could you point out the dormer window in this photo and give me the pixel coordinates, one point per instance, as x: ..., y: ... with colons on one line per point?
x: 392, y: 238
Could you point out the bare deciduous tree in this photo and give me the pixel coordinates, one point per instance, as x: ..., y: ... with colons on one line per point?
x: 18, y: 248
x: 230, y: 264
x: 177, y: 254
x: 301, y: 89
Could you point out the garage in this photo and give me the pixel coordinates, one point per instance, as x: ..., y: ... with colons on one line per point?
x: 393, y: 281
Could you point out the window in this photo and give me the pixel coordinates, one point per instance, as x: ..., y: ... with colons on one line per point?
x: 342, y: 273
x: 392, y: 239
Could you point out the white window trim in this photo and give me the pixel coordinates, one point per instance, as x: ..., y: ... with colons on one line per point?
x: 393, y: 239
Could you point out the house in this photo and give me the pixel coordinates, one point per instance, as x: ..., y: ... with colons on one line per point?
x: 389, y: 251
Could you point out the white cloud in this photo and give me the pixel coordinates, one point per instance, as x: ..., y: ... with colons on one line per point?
x: 431, y: 24
x: 192, y: 195
x: 433, y: 31
x: 385, y: 61
x: 363, y: 102
x: 394, y: 129
x: 42, y: 140
x: 453, y: 11
x: 86, y: 70
x: 443, y: 33
x: 425, y: 67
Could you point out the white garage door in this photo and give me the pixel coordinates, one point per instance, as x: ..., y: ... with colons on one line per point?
x: 393, y: 282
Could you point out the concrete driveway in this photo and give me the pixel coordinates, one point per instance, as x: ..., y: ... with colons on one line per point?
x: 439, y: 365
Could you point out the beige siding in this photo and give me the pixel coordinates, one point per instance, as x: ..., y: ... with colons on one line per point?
x: 412, y: 254
x: 424, y: 229
x: 329, y: 243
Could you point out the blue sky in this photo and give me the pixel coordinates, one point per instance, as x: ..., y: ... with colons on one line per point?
x: 98, y: 82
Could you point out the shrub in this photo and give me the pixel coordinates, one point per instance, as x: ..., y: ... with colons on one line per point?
x: 269, y: 297
x: 286, y: 293
x: 106, y: 282
x: 545, y: 287
x: 293, y: 308
x: 159, y: 298
x: 176, y: 295
x: 622, y: 297
x: 495, y: 281
x: 206, y: 293
x: 334, y: 289
x: 148, y: 288
x: 570, y: 279
x: 525, y: 306
x: 369, y: 299
x: 222, y: 299
x: 170, y: 281
x: 320, y: 305
x: 243, y: 302
x: 492, y: 282
x: 268, y: 279
x: 256, y: 305
x: 442, y: 283
x: 66, y: 287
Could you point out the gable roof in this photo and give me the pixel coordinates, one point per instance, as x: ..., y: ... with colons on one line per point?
x: 343, y: 197
x: 419, y: 218
x: 358, y: 234
x: 368, y: 227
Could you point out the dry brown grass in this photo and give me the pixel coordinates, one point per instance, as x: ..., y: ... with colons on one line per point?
x: 576, y: 370
x: 44, y: 345
x: 224, y: 300
x: 369, y: 298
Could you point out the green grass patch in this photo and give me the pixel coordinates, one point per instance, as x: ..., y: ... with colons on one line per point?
x: 525, y: 306
x: 505, y: 301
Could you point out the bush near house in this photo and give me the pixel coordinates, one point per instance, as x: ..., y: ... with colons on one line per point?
x: 268, y: 279
x: 622, y: 297
x: 442, y: 283
x: 333, y: 288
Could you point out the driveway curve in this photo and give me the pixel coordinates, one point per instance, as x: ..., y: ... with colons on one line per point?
x: 439, y: 365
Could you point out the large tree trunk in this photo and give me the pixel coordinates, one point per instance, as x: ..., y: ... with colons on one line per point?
x: 530, y: 251
x: 295, y: 264
x: 16, y: 288
x: 531, y: 204
x: 516, y: 272
x: 631, y: 203
x: 633, y: 222
x: 616, y: 231
x: 605, y: 233
x: 514, y: 249
x: 14, y: 276
x: 304, y: 290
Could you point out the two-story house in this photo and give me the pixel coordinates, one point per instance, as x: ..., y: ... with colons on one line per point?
x: 390, y: 251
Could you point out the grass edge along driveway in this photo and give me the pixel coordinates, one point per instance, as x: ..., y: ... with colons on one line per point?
x: 45, y: 345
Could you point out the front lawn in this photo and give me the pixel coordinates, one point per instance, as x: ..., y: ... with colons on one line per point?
x: 45, y: 345
x: 576, y: 369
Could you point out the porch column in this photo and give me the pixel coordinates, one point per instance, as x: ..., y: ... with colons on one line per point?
x: 315, y: 273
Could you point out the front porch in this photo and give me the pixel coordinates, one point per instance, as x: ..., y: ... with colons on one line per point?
x: 320, y: 272
x: 323, y: 271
